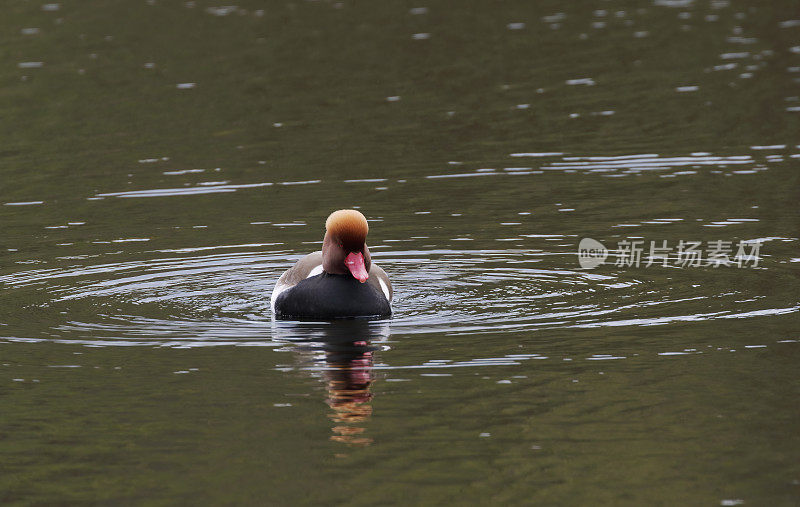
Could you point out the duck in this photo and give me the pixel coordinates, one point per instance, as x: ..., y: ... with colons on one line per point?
x: 338, y: 282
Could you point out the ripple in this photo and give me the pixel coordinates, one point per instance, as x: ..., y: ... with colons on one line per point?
x: 216, y: 295
x: 606, y: 166
x: 24, y: 203
x: 166, y: 192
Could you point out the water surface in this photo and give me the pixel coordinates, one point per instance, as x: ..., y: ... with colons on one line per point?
x: 164, y: 162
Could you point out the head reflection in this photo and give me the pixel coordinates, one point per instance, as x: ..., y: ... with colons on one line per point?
x: 343, y: 352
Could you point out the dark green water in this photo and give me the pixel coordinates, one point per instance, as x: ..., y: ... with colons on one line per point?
x: 161, y: 163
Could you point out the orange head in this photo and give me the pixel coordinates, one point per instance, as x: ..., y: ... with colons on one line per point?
x: 349, y: 227
x: 344, y: 250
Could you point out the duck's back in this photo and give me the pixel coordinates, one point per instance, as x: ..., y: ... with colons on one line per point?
x: 326, y: 296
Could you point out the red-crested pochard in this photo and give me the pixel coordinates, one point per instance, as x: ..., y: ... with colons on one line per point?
x: 339, y: 282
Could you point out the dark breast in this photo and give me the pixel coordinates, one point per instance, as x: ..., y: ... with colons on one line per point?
x: 327, y: 296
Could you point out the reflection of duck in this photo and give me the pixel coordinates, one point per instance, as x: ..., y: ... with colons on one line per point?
x: 325, y: 285
x: 349, y: 377
x: 346, y: 363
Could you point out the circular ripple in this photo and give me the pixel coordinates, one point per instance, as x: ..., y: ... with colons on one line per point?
x: 189, y: 299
